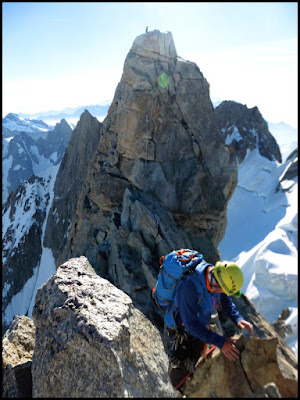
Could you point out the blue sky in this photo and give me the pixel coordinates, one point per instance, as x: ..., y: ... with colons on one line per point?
x: 58, y: 55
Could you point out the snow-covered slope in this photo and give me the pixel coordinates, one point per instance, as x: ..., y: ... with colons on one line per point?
x: 27, y: 264
x: 261, y: 236
x: 286, y: 136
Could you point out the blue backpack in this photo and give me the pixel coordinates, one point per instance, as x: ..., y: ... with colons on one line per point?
x: 173, y: 267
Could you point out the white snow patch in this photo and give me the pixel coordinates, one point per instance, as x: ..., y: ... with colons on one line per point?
x: 286, y: 138
x: 53, y: 157
x: 234, y: 135
x: 262, y: 238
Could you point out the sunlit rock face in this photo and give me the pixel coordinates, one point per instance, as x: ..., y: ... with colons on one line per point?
x: 161, y: 176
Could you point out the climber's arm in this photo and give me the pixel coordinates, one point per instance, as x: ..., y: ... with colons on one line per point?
x: 230, y: 310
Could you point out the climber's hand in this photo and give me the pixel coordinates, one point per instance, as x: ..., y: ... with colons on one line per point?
x: 245, y: 325
x: 229, y: 349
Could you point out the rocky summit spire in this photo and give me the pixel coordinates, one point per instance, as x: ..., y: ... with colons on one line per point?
x: 161, y: 176
x: 155, y: 45
x: 162, y: 125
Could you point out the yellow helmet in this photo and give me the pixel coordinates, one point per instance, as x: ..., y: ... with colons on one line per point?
x: 229, y: 276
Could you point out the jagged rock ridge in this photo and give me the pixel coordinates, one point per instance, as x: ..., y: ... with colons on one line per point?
x: 82, y: 145
x: 245, y: 128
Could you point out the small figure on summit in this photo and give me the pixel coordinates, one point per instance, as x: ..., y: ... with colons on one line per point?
x: 146, y: 29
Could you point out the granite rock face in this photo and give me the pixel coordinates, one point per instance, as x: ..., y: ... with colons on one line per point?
x: 260, y: 364
x: 92, y: 342
x: 161, y: 176
x: 267, y: 367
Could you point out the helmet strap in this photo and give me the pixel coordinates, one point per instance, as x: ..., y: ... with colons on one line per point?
x: 211, y: 281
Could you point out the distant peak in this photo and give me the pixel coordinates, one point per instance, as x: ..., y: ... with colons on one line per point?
x: 12, y: 117
x: 63, y: 124
x: 85, y: 114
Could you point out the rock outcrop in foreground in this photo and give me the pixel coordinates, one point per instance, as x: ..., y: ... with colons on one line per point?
x: 17, y: 350
x: 260, y: 364
x: 267, y: 366
x: 88, y: 340
x: 92, y: 342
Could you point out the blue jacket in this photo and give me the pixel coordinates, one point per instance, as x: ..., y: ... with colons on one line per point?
x: 196, y: 304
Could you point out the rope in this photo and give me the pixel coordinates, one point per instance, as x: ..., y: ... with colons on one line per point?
x: 147, y: 128
x: 148, y: 120
x: 197, y: 365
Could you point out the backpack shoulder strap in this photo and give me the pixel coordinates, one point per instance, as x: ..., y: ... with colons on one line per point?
x: 193, y: 277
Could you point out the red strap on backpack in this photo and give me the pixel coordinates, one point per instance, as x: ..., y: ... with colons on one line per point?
x: 182, y: 251
x: 161, y: 260
x: 200, y: 362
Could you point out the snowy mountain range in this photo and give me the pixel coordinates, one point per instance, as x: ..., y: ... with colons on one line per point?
x: 262, y: 218
x: 71, y: 115
x: 30, y: 147
x: 12, y: 125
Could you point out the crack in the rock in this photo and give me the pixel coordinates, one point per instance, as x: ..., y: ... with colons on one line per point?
x: 249, y: 383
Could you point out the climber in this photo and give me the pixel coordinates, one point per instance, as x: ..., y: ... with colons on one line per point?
x: 197, y: 297
x: 146, y: 29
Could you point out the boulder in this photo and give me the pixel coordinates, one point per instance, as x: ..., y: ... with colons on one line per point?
x: 260, y: 364
x: 17, y: 351
x: 280, y: 325
x: 92, y: 342
x: 265, y: 359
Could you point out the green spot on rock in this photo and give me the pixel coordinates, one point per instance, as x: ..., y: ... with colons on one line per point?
x: 163, y: 80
